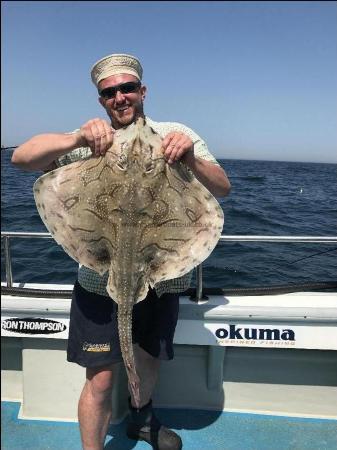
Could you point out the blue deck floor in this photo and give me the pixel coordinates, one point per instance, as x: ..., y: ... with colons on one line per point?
x: 199, y: 430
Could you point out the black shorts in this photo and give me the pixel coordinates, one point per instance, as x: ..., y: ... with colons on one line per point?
x: 93, y: 332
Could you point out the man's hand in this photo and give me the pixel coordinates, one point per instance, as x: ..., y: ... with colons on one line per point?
x: 97, y: 134
x: 177, y: 146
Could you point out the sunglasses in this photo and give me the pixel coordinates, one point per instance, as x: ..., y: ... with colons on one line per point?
x: 124, y: 88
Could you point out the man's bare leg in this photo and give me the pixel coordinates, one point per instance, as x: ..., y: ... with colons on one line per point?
x: 94, y: 407
x: 147, y: 369
x: 94, y: 410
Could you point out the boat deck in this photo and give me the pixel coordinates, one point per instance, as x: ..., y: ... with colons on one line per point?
x: 199, y: 430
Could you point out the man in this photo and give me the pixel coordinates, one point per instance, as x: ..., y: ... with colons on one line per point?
x: 93, y: 315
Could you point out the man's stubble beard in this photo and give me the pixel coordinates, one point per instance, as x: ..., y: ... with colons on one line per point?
x: 138, y: 111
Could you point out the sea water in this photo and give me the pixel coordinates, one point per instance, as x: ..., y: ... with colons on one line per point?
x: 267, y: 198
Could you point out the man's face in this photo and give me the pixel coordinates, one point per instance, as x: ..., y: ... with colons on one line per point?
x: 122, y: 109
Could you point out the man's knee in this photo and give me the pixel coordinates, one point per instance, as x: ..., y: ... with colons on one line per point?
x: 101, y: 379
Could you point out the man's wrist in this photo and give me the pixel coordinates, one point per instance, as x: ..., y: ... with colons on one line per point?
x: 78, y: 140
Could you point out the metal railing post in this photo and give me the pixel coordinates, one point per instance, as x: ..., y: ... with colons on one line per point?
x: 199, y: 283
x: 8, y: 262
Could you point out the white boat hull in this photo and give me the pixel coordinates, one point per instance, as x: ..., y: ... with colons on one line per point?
x: 271, y: 354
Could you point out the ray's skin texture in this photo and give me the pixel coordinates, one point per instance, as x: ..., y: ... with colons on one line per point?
x: 131, y: 214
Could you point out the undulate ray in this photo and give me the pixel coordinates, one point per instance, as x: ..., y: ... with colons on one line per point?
x: 133, y: 215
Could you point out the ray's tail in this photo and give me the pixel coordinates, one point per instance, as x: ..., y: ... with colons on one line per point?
x: 125, y: 338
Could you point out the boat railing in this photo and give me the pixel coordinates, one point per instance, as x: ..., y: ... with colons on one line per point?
x: 8, y: 235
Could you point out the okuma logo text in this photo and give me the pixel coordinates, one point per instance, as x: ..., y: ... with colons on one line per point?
x: 249, y: 333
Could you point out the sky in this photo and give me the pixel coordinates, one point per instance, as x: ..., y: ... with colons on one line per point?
x: 256, y: 80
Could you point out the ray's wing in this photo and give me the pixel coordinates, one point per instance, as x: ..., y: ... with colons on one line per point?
x: 187, y: 224
x: 65, y: 201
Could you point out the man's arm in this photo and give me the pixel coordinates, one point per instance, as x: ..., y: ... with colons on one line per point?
x: 178, y: 146
x: 212, y: 176
x: 41, y: 151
